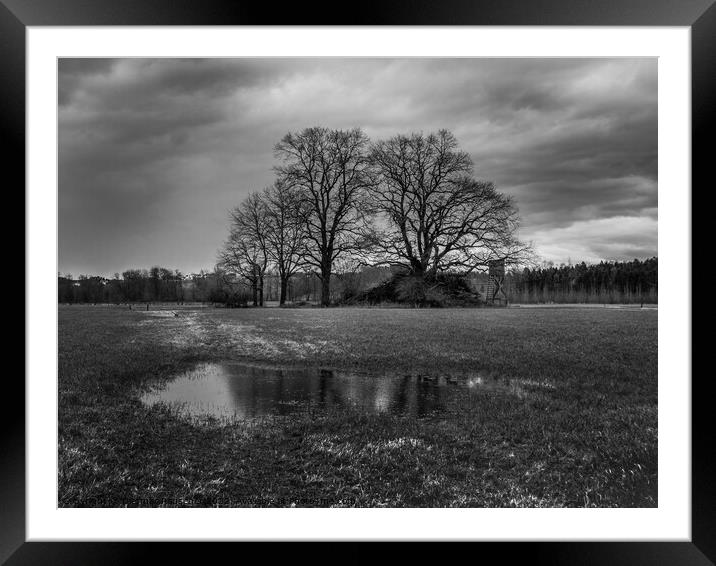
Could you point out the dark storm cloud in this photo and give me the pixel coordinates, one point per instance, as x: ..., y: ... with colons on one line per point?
x: 153, y: 152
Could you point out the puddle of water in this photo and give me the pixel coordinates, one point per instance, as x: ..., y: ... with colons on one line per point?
x: 234, y: 390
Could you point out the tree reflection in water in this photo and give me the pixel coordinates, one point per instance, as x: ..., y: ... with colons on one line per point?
x: 242, y: 391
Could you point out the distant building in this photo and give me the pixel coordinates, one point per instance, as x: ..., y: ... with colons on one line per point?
x: 491, y: 285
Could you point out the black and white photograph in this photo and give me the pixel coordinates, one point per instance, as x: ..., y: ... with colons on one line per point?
x: 357, y: 282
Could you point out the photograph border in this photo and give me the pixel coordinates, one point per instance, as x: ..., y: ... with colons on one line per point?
x: 16, y: 15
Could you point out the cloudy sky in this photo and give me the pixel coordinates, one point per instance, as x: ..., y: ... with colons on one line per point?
x: 154, y: 152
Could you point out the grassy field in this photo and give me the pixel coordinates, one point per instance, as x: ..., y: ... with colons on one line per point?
x: 589, y: 441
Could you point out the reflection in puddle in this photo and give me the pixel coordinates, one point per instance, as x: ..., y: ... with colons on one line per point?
x: 247, y: 391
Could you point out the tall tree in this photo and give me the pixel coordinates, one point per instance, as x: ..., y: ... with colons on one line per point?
x: 437, y: 216
x: 286, y: 231
x: 332, y: 170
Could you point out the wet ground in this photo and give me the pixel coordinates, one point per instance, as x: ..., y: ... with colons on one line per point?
x: 240, y: 391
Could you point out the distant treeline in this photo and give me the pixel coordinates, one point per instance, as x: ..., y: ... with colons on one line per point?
x: 606, y: 282
x: 137, y: 285
x: 160, y: 284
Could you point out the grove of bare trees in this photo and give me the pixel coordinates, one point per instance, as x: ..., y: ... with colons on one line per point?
x: 340, y: 199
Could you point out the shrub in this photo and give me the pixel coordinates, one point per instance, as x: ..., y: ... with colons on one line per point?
x: 443, y: 290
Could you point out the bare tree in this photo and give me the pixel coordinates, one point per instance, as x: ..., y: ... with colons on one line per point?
x: 286, y: 231
x: 244, y: 253
x: 239, y: 259
x: 331, y: 168
x: 437, y: 216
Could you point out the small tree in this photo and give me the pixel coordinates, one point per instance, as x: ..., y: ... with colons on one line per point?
x: 244, y: 253
x: 286, y: 231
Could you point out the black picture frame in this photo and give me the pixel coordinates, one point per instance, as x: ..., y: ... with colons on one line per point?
x: 17, y: 15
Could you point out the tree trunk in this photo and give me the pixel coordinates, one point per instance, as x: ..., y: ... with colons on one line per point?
x: 416, y: 266
x: 325, y: 287
x: 261, y: 290
x: 284, y: 286
x: 254, y: 292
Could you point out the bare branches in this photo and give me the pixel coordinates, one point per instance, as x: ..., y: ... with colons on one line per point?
x: 332, y: 171
x: 439, y: 217
x: 339, y: 201
x: 286, y: 215
x: 245, y: 252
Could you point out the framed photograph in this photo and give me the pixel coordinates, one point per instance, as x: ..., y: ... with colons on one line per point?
x: 393, y: 278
